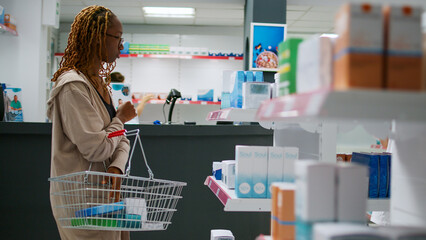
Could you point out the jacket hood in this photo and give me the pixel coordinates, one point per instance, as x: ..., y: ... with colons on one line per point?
x: 63, y: 79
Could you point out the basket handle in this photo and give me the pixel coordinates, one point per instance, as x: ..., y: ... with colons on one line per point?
x: 135, y: 133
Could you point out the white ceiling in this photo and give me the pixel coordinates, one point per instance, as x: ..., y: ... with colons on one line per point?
x: 300, y: 18
x: 303, y: 16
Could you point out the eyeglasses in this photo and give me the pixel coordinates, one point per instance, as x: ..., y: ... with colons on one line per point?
x: 116, y: 37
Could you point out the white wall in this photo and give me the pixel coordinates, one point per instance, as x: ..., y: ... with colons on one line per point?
x: 188, y: 76
x: 23, y: 58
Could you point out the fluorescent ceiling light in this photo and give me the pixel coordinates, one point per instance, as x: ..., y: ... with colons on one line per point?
x: 182, y: 12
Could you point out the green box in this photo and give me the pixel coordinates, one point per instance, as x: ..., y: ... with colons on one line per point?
x: 287, y: 65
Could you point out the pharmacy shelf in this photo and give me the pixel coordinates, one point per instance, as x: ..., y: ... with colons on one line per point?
x: 346, y: 106
x: 173, y: 56
x: 233, y: 204
x: 233, y: 114
x: 7, y: 30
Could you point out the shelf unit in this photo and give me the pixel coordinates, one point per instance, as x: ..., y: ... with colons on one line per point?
x: 404, y: 110
x: 402, y: 114
x: 233, y: 204
x: 7, y: 30
x: 172, y: 56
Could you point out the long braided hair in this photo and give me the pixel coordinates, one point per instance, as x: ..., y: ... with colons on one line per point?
x: 87, y: 32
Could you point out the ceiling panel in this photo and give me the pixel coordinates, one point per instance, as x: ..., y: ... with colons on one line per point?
x: 131, y: 20
x: 171, y: 21
x: 113, y: 3
x: 219, y: 21
x: 315, y: 24
x: 294, y: 15
x: 219, y: 13
x: 318, y: 16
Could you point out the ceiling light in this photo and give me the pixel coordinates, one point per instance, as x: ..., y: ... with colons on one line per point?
x: 179, y: 12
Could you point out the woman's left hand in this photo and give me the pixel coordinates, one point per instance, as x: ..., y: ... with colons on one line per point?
x: 116, y: 183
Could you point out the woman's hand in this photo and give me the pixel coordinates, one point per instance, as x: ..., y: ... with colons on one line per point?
x: 115, y: 182
x: 126, y: 112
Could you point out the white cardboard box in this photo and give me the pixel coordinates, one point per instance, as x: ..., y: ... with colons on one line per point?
x: 351, y: 192
x: 228, y: 173
x: 291, y: 155
x: 315, y: 191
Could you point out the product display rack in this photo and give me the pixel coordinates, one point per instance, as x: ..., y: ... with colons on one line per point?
x: 406, y: 113
x: 173, y: 56
x: 233, y: 204
x: 377, y: 110
x: 7, y: 30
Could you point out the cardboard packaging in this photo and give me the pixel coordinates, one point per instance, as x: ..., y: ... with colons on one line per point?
x: 275, y: 188
x: 244, y: 161
x: 254, y: 93
x: 228, y: 173
x: 259, y: 171
x: 286, y: 215
x: 371, y: 160
x: 236, y: 97
x: 1, y: 14
x: 287, y: 66
x: 275, y: 167
x: 358, y: 52
x: 351, y: 192
x: 221, y: 234
x: 403, y: 65
x: 315, y: 194
x: 314, y: 64
x: 384, y: 175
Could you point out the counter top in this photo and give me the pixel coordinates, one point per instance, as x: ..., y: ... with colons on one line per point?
x: 147, y: 130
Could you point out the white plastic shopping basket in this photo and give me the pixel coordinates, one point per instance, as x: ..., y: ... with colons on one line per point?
x: 83, y: 199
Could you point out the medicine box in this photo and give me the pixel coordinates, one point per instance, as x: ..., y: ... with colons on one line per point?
x: 249, y: 76
x: 403, y: 65
x: 1, y: 14
x: 274, y: 188
x: 285, y: 207
x: 371, y: 160
x: 384, y: 174
x: 228, y: 173
x: 315, y: 194
x: 314, y: 64
x: 254, y: 93
x: 351, y: 192
x: 258, y: 76
x: 259, y: 171
x: 275, y: 167
x: 243, y: 171
x: 291, y: 155
x: 287, y: 66
x: 236, y: 97
x: 217, y: 170
x: 358, y: 51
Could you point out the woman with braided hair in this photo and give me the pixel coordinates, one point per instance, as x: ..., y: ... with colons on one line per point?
x: 81, y: 109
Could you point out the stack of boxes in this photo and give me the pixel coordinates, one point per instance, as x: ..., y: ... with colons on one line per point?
x: 377, y: 47
x: 328, y: 192
x: 236, y: 95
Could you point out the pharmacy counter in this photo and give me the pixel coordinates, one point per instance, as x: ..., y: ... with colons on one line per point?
x: 174, y: 152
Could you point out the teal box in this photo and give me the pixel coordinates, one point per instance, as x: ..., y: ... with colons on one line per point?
x: 249, y: 76
x: 1, y: 14
x: 304, y: 230
x: 258, y: 76
x: 236, y: 98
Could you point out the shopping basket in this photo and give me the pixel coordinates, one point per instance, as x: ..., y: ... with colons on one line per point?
x: 82, y: 200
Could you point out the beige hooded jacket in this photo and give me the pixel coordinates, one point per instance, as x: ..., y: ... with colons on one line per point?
x: 80, y: 126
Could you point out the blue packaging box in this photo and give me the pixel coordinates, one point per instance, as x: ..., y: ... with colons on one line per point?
x: 1, y: 16
x: 249, y: 76
x: 236, y: 98
x: 99, y: 210
x: 384, y: 173
x: 258, y: 76
x: 372, y: 161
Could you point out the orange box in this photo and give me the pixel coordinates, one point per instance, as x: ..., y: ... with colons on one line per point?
x: 274, y: 210
x: 9, y: 22
x: 340, y: 157
x: 286, y: 215
x: 403, y: 64
x: 358, y: 52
